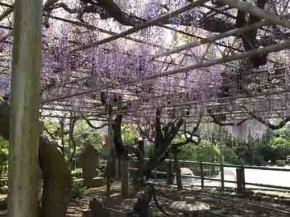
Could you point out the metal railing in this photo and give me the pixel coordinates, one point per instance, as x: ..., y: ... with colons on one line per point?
x: 242, y: 168
x: 240, y: 174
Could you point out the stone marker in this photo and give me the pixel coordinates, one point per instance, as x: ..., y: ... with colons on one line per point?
x: 89, y: 162
x: 190, y: 208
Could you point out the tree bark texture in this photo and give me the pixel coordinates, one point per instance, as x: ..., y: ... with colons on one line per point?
x: 55, y: 171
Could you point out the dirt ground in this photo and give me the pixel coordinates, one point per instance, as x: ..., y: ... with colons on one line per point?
x: 228, y: 204
x: 220, y: 204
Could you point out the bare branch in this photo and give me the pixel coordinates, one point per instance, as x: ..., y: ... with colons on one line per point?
x: 147, y: 24
x: 218, y: 119
x: 6, y: 13
x: 257, y: 12
x: 144, y: 133
x: 93, y: 126
x: 71, y: 136
x: 214, y: 38
x: 267, y: 123
x: 49, y: 133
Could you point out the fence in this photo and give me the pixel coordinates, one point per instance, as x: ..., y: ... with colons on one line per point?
x: 206, y: 171
x: 240, y: 176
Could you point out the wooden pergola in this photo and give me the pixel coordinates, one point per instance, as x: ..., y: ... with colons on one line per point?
x: 261, y: 93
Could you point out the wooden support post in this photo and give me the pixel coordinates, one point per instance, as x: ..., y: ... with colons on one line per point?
x: 124, y: 177
x: 201, y: 175
x: 141, y: 164
x: 177, y: 168
x: 222, y: 161
x: 61, y: 123
x: 241, y: 183
x: 110, y: 152
x: 170, y: 175
x: 117, y: 168
x: 24, y: 116
x: 222, y: 177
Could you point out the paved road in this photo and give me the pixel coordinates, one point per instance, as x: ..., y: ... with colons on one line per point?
x: 268, y: 177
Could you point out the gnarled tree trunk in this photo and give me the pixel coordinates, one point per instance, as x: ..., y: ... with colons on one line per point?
x: 55, y: 170
x: 56, y: 180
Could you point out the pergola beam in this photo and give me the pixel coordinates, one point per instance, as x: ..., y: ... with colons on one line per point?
x: 147, y: 24
x: 6, y: 13
x: 234, y: 32
x: 92, y: 27
x: 268, y: 18
x: 257, y: 12
x: 246, y: 54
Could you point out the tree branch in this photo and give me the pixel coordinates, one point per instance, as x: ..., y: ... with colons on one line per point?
x: 49, y: 133
x: 257, y: 12
x: 267, y: 123
x: 217, y: 119
x: 6, y: 13
x: 143, y: 133
x: 71, y: 137
x: 93, y: 126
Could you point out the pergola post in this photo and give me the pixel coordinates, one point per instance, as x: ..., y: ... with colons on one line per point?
x: 110, y: 151
x: 124, y: 177
x: 24, y: 115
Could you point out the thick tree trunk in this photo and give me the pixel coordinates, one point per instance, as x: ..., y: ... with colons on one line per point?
x: 24, y: 118
x: 55, y: 171
x: 142, y: 207
x: 56, y: 180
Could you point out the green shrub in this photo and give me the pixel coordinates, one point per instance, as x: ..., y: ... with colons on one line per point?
x: 77, y: 170
x: 77, y: 189
x: 207, y: 151
x: 129, y: 134
x: 3, y: 155
x: 277, y: 148
x: 259, y: 160
x: 230, y: 155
